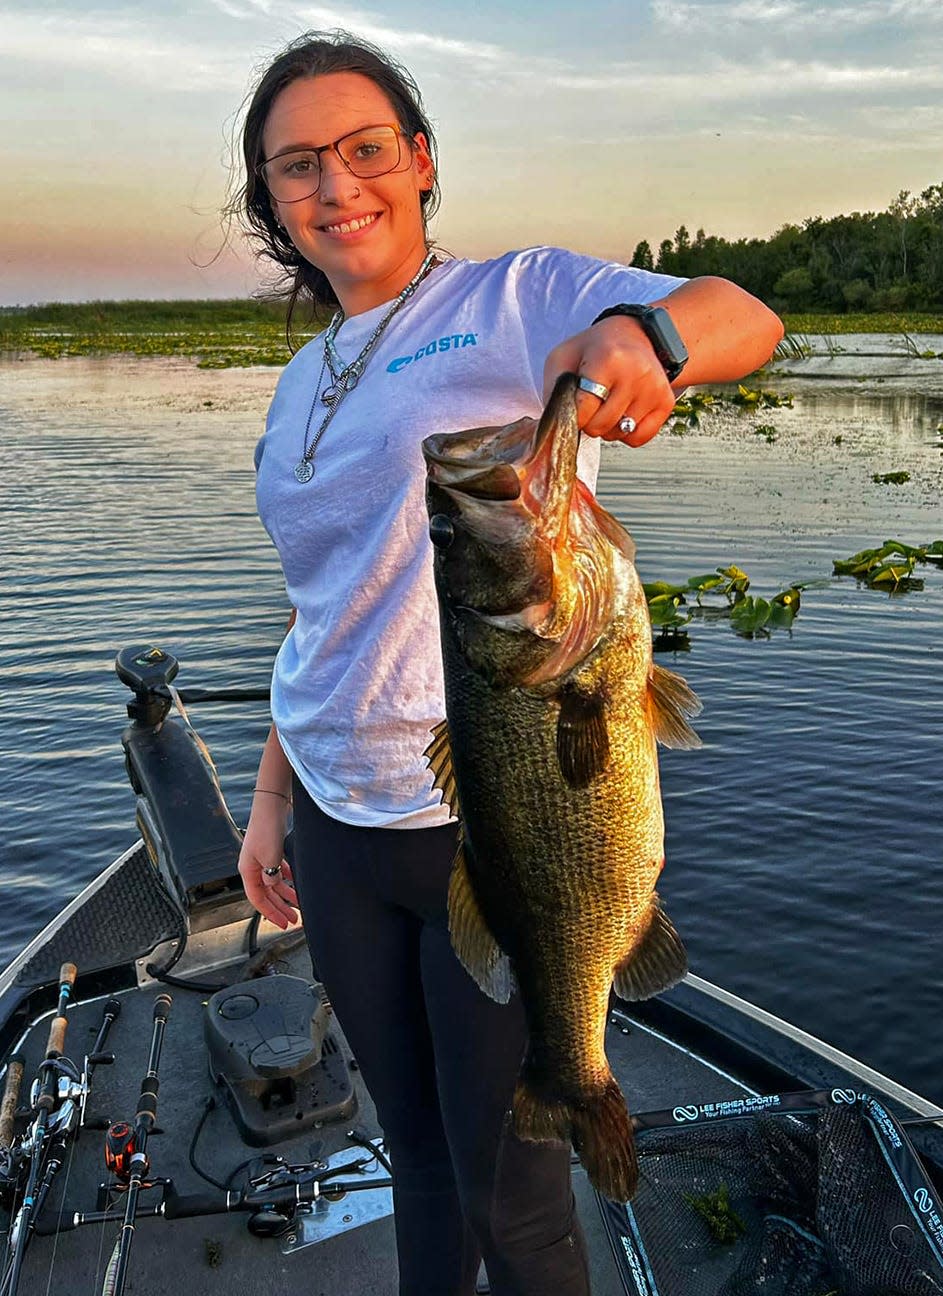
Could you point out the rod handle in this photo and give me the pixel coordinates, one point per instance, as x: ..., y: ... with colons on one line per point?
x: 56, y: 1044
x: 11, y: 1096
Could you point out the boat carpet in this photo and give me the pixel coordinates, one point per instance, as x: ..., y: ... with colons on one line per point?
x: 124, y: 918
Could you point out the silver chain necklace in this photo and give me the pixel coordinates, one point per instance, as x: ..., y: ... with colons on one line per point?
x: 344, y: 378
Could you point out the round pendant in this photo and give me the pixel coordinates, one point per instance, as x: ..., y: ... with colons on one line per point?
x: 304, y: 470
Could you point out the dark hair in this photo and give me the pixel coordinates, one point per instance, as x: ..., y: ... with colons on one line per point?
x: 315, y: 54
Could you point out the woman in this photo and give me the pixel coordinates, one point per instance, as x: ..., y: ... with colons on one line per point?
x: 340, y: 180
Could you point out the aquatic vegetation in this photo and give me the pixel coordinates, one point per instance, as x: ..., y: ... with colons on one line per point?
x: 890, y: 566
x: 216, y: 335
x: 768, y: 431
x: 891, y: 478
x: 756, y: 400
x: 723, y: 1222
x: 691, y: 406
x: 752, y: 616
x: 916, y: 354
x: 749, y: 615
x: 794, y: 346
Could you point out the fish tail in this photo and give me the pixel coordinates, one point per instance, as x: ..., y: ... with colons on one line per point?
x: 598, y: 1125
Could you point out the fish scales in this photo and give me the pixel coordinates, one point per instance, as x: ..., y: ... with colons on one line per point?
x: 553, y: 707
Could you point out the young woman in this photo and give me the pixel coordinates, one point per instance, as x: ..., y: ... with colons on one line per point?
x: 340, y: 180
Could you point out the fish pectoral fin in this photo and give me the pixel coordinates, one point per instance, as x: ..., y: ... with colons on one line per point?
x: 657, y: 962
x: 438, y: 756
x: 475, y: 946
x: 582, y: 737
x: 671, y: 700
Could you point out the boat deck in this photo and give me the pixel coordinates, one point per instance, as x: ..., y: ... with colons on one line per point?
x: 697, y: 1044
x: 217, y: 1252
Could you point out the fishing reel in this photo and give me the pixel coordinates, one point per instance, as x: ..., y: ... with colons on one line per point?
x: 70, y: 1085
x: 120, y: 1145
x: 271, y: 1219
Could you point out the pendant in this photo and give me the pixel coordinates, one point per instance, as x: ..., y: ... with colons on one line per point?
x: 304, y: 470
x: 329, y: 396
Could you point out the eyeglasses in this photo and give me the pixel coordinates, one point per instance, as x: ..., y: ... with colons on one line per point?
x: 366, y: 153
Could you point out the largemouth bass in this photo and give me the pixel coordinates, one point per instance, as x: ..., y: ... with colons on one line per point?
x: 548, y: 756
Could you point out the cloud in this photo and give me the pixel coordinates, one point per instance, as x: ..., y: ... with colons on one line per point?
x: 793, y: 15
x: 723, y: 80
x: 123, y: 49
x: 372, y: 27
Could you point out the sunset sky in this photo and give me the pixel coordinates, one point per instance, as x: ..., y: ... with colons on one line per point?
x: 592, y: 126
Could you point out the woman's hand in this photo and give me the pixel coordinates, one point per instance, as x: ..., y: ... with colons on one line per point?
x: 727, y: 334
x: 273, y: 896
x: 617, y: 354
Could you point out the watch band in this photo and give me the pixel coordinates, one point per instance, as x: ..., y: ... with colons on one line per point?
x: 659, y: 329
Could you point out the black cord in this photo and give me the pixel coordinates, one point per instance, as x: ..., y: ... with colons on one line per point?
x: 210, y: 1105
x: 254, y: 934
x: 359, y: 1137
x: 204, y: 987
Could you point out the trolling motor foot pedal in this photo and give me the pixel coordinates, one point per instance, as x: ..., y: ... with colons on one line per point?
x: 278, y: 1064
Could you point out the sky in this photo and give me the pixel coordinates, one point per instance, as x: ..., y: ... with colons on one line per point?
x: 592, y: 126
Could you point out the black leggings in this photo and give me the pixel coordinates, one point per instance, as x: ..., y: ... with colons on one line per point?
x: 440, y: 1060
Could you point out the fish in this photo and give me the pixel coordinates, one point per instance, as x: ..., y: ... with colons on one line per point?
x: 547, y: 755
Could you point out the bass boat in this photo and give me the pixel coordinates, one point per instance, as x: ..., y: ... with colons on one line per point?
x: 181, y: 1109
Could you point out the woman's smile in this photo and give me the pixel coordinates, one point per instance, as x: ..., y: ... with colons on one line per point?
x: 351, y: 225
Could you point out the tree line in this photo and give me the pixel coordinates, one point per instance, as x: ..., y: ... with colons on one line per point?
x: 868, y: 261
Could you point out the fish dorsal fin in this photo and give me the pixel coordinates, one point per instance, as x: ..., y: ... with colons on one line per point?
x: 670, y: 700
x: 582, y: 736
x: 438, y: 756
x: 655, y: 963
x: 476, y: 948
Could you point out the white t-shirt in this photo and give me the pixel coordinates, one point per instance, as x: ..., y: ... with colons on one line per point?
x: 357, y: 685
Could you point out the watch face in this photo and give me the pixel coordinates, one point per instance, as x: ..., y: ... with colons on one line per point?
x: 670, y: 335
x: 666, y: 340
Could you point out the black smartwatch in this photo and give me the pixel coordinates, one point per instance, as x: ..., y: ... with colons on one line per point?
x: 660, y: 331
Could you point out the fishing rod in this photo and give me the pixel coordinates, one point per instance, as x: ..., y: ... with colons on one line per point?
x: 44, y: 1100
x: 271, y: 1198
x: 136, y: 1148
x: 45, y: 1150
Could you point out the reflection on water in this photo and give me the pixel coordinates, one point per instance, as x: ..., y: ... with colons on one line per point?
x: 804, y: 840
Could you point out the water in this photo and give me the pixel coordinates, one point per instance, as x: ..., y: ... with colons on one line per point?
x: 805, y: 839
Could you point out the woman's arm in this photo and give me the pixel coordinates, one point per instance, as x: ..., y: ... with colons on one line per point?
x: 273, y: 896
x: 727, y: 333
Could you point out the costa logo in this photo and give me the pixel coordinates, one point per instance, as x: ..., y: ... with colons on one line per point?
x: 685, y: 1113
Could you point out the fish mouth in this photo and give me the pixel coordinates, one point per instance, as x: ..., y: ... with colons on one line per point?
x: 504, y: 463
x: 499, y: 482
x: 484, y: 463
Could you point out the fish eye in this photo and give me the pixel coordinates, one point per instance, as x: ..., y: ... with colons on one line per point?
x: 441, y: 530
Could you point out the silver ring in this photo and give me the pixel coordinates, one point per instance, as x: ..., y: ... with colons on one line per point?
x: 627, y: 425
x: 272, y: 872
x: 594, y: 388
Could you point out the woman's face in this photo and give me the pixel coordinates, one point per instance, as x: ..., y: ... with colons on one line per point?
x: 367, y: 235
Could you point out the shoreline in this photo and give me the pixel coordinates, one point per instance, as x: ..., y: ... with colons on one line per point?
x: 122, y: 382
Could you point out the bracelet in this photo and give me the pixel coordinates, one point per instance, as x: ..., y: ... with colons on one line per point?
x: 269, y: 792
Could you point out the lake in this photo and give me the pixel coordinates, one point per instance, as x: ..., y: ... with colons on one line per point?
x: 804, y: 839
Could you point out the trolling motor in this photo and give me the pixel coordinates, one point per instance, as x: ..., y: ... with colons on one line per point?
x: 190, y: 835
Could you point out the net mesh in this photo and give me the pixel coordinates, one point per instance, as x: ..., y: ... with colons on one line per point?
x: 778, y: 1205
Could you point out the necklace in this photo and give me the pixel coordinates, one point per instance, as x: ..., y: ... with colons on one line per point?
x: 344, y: 378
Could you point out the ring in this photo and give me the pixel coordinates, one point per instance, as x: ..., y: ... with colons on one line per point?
x: 594, y: 388
x: 272, y: 872
x: 627, y: 425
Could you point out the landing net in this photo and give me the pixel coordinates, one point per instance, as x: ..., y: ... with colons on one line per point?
x: 813, y: 1194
